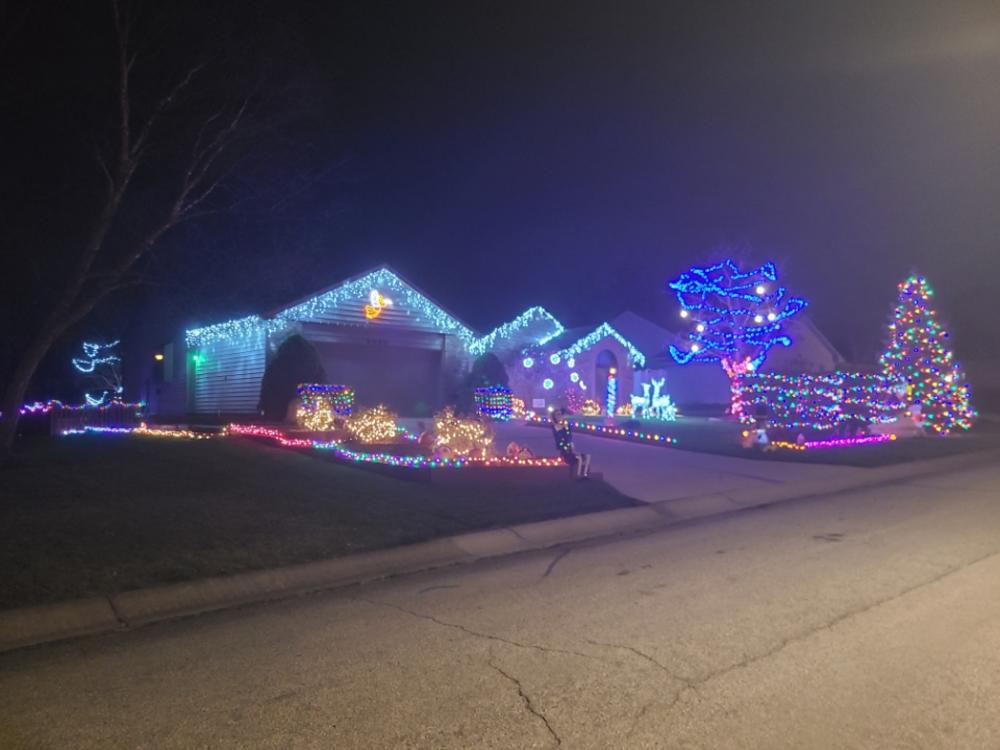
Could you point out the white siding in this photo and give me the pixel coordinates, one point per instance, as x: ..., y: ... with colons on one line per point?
x: 227, y: 376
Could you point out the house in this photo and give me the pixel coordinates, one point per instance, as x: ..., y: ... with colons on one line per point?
x: 393, y: 344
x: 375, y: 332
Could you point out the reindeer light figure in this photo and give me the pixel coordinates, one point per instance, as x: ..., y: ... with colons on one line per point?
x: 641, y: 403
x: 661, y: 406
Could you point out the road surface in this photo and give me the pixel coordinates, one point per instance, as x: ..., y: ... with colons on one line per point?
x: 868, y: 619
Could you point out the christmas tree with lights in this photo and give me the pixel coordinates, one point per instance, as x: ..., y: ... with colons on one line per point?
x: 918, y: 357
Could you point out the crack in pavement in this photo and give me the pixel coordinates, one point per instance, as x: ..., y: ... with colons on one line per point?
x: 476, y: 633
x: 555, y: 561
x: 686, y: 681
x: 693, y: 685
x: 528, y: 704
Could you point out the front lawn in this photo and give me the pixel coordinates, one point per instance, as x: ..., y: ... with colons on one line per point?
x: 99, y: 514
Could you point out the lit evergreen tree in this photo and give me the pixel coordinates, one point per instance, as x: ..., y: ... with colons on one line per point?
x: 918, y: 356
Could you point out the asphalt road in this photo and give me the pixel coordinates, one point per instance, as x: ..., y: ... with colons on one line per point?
x: 868, y: 619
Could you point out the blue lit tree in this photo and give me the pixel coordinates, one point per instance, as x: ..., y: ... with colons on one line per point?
x: 102, y: 368
x: 735, y: 316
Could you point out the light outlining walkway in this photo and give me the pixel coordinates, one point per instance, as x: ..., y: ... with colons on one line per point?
x: 867, y: 619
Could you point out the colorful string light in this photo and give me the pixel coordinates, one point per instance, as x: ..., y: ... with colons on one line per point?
x: 388, y: 459
x: 321, y: 405
x: 917, y: 357
x: 850, y: 442
x: 494, y: 402
x: 818, y: 402
x: 459, y: 436
x: 618, y: 433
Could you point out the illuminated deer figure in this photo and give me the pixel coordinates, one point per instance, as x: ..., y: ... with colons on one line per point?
x: 641, y: 402
x: 661, y: 407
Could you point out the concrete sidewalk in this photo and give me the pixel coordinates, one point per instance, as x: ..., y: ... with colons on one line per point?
x: 34, y: 625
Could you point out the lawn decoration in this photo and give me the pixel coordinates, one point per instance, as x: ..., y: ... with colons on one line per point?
x: 736, y: 318
x: 573, y: 399
x: 590, y: 408
x: 517, y: 407
x: 103, y: 369
x: 819, y: 402
x: 918, y: 356
x: 625, y: 410
x: 321, y: 405
x: 655, y: 405
x: 460, y: 437
x: 494, y: 402
x: 375, y: 425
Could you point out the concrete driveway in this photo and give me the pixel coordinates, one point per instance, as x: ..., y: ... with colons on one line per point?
x: 652, y: 473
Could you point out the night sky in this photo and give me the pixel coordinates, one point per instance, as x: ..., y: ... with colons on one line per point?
x: 577, y: 155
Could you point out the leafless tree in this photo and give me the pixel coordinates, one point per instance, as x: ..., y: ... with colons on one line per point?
x: 202, y: 144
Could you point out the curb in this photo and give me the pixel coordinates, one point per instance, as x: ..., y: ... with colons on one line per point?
x: 30, y: 626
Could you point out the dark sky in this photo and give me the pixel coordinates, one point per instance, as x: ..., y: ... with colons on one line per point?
x: 577, y: 155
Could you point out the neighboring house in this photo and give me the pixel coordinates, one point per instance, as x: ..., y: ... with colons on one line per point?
x: 391, y: 343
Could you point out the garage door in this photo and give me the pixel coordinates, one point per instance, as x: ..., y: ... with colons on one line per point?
x: 406, y: 379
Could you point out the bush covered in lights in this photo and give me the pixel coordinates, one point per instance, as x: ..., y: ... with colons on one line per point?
x: 375, y: 425
x: 590, y: 408
x: 818, y: 402
x: 321, y: 405
x: 494, y: 402
x: 456, y: 436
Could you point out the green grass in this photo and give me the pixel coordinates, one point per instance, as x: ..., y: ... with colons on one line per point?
x: 100, y: 514
x: 721, y: 437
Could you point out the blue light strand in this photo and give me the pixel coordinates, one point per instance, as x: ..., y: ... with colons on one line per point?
x: 744, y: 333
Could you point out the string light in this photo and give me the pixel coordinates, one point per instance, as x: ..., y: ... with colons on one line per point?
x: 458, y: 436
x: 544, y: 325
x: 44, y: 407
x: 918, y: 358
x: 375, y: 425
x: 602, y: 331
x: 321, y: 405
x: 494, y: 402
x: 611, y: 394
x: 818, y: 402
x: 322, y: 305
x: 388, y: 459
x: 590, y: 408
x: 833, y: 443
x: 731, y: 327
x: 617, y: 433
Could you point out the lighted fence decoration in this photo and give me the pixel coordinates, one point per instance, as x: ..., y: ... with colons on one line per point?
x: 818, y: 402
x: 62, y: 417
x: 494, y: 402
x: 320, y: 405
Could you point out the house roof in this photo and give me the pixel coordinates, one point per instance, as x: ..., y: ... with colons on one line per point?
x: 345, y: 303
